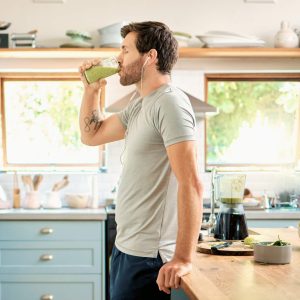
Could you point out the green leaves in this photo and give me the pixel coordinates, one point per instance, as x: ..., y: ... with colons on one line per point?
x: 241, y: 104
x: 279, y: 242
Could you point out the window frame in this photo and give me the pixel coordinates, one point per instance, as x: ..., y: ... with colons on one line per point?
x: 41, y: 76
x: 209, y: 77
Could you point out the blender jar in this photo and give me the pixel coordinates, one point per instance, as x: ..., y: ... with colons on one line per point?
x: 231, y: 221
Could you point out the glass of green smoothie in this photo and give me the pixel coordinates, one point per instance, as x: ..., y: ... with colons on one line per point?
x: 105, y: 68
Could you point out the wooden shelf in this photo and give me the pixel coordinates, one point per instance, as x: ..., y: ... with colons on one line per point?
x: 50, y: 53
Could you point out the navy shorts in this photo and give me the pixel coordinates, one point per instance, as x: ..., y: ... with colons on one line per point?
x: 134, y: 277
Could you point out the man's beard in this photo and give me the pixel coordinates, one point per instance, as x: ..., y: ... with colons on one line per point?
x: 132, y: 73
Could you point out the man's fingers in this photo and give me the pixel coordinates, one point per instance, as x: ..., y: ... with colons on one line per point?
x: 160, y: 281
x: 166, y: 277
x: 96, y: 61
x: 172, y: 278
x: 167, y: 291
x: 102, y: 82
x: 177, y: 280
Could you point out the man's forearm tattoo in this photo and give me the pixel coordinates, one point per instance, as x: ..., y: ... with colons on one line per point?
x: 94, y: 121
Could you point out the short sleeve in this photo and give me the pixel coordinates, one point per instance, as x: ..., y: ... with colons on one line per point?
x: 124, y: 114
x: 175, y: 118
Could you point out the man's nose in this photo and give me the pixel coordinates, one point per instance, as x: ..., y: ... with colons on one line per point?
x: 119, y: 58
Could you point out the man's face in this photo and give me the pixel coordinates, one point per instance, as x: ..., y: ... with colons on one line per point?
x: 131, y: 61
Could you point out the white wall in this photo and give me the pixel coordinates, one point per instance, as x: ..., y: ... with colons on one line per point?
x: 196, y: 17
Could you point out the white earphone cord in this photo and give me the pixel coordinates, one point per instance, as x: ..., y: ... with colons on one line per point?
x: 132, y: 97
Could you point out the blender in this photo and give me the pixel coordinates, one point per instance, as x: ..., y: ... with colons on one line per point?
x: 231, y: 221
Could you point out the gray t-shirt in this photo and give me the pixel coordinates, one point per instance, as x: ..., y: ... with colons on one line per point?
x: 146, y: 210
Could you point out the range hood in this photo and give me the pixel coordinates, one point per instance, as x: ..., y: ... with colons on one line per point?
x: 200, y: 107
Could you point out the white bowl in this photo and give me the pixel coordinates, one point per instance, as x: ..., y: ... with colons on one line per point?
x: 110, y: 36
x: 77, y: 200
x: 272, y: 254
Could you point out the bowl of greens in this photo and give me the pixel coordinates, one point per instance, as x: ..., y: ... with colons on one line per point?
x: 278, y: 252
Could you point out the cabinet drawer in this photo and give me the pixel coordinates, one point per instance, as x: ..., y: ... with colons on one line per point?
x: 50, y: 230
x: 51, y: 257
x: 43, y: 287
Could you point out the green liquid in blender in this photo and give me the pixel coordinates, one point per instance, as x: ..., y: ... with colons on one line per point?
x: 232, y: 200
x: 99, y: 72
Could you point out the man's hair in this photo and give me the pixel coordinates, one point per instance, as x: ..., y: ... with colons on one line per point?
x: 158, y: 36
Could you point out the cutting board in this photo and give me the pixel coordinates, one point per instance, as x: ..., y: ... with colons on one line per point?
x: 236, y: 248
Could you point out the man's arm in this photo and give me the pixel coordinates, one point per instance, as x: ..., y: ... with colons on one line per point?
x: 94, y: 128
x: 183, y: 160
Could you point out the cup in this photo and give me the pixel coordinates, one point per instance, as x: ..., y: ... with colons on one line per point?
x: 32, y: 200
x: 105, y: 68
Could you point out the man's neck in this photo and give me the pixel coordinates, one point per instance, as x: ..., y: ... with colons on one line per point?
x: 151, y: 84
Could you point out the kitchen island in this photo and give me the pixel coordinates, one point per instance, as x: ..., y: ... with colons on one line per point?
x: 217, y: 277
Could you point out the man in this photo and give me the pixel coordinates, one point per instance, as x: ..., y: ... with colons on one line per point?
x: 159, y: 202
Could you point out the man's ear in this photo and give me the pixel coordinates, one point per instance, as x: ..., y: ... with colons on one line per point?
x: 152, y: 55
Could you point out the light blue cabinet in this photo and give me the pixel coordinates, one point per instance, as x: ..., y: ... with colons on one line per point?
x: 50, y: 287
x: 52, y: 260
x: 272, y: 223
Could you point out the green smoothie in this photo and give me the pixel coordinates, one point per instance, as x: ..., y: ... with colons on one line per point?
x: 95, y: 73
x: 231, y: 200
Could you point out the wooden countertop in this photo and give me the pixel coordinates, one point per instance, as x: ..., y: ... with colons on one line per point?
x: 240, y: 277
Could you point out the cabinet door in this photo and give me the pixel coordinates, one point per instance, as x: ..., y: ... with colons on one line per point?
x: 51, y: 287
x: 51, y: 257
x: 51, y: 230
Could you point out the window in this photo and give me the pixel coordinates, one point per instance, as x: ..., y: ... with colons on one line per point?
x: 40, y: 125
x: 258, y: 125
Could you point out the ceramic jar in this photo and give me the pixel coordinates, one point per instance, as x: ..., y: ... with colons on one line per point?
x: 32, y: 200
x: 52, y: 200
x: 286, y: 37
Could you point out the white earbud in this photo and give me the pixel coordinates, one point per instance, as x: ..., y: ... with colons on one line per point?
x: 148, y: 57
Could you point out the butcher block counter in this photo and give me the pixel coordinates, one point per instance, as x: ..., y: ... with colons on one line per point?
x: 217, y: 277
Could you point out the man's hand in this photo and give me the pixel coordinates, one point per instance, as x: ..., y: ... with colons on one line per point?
x: 170, y: 273
x: 95, y: 86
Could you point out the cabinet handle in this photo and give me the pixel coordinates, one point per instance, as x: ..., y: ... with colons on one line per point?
x: 47, y: 297
x: 46, y: 230
x: 46, y: 257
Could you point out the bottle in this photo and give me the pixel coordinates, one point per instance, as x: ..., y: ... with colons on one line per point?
x: 105, y: 68
x: 266, y: 201
x: 286, y: 37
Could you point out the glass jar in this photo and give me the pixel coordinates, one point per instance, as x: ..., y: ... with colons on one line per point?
x: 231, y: 222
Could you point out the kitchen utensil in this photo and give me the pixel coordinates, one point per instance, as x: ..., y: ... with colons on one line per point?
x: 16, y: 192
x: 61, y: 184
x: 231, y: 220
x: 37, y: 179
x: 215, y: 249
x: 266, y: 253
x: 27, y: 182
x: 229, y: 248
